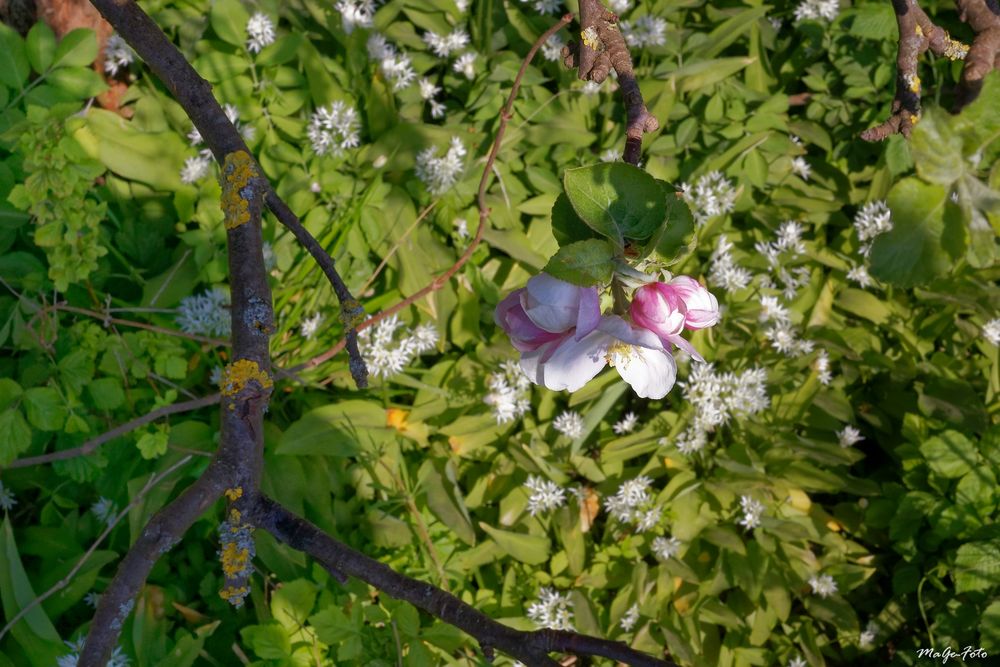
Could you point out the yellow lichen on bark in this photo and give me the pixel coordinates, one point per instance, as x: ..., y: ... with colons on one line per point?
x: 238, y: 171
x: 238, y: 374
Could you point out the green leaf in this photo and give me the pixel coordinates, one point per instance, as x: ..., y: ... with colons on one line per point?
x: 332, y: 626
x: 677, y: 238
x: 989, y: 628
x: 977, y: 566
x: 937, y: 148
x: 874, y: 21
x: 702, y: 74
x: 229, y: 20
x: 728, y: 32
x: 616, y: 200
x: 15, y: 436
x: 270, y: 642
x: 530, y: 549
x: 979, y: 123
x: 106, y: 393
x: 583, y: 263
x: 153, y: 444
x: 280, y: 51
x: 14, y: 68
x: 567, y: 227
x: 912, y: 252
x: 293, y: 602
x: 950, y: 454
x: 444, y: 497
x: 345, y: 428
x: 10, y: 391
x: 76, y: 369
x: 45, y: 408
x: 40, y: 46
x: 865, y: 305
x: 77, y: 49
x: 80, y: 82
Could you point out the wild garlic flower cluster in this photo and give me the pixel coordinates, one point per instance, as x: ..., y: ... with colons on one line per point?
x: 545, y: 495
x: 991, y: 331
x: 7, y: 498
x: 873, y: 219
x: 565, y: 340
x: 428, y: 93
x: 823, y: 585
x: 801, y: 168
x: 723, y: 269
x: 569, y: 423
x: 105, y: 510
x: 849, y: 436
x: 355, y: 14
x: 310, y: 325
x: 333, y: 129
x: 552, y: 48
x: 633, y: 504
x: 118, y: 55
x: 72, y: 659
x: 387, y: 356
x: 752, y: 510
x: 260, y: 32
x: 711, y: 195
x: 867, y: 637
x: 627, y: 424
x: 439, y: 174
x: 395, y: 65
x: 197, y: 167
x: 444, y: 45
x: 826, y: 10
x: 206, y: 314
x: 545, y: 6
x: 666, y: 548
x: 782, y: 333
x: 645, y: 31
x: 786, y: 248
x: 629, y: 618
x: 620, y: 6
x: 509, y: 393
x: 717, y: 398
x: 553, y: 610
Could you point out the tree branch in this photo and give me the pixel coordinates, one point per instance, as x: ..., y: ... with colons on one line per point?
x: 532, y: 648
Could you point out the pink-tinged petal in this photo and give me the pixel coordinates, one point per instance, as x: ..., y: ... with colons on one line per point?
x: 623, y: 331
x: 686, y: 345
x: 523, y: 333
x: 574, y: 363
x: 702, y: 306
x: 589, y: 314
x: 656, y: 307
x: 651, y: 373
x: 509, y: 302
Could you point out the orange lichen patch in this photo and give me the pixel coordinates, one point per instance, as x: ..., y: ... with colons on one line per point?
x: 234, y: 518
x: 955, y: 50
x: 238, y: 171
x: 396, y: 418
x: 238, y: 374
x: 234, y: 494
x: 233, y: 592
x: 235, y: 560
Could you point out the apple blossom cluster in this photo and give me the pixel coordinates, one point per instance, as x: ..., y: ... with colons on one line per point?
x: 260, y: 32
x: 553, y: 610
x: 333, y: 129
x: 565, y: 340
x: 118, y: 55
x: 387, y: 356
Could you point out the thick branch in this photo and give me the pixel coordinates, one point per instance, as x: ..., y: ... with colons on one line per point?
x: 532, y: 648
x: 195, y: 96
x: 983, y: 16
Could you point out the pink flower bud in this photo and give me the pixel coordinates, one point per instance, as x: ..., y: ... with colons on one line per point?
x: 656, y: 307
x: 702, y: 306
x: 524, y: 334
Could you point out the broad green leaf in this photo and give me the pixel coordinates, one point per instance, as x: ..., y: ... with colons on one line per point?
x: 567, y: 227
x: 937, y: 149
x: 728, y: 32
x: 950, y: 454
x: 616, y: 200
x: 189, y: 647
x: 912, y: 252
x: 583, y: 263
x: 10, y: 391
x: 45, y: 408
x: 345, y: 428
x: 954, y: 400
x: 15, y: 436
x: 444, y: 497
x: 76, y: 369
x: 293, y: 602
x: 106, y: 393
x: 677, y: 238
x: 332, y: 626
x: 153, y: 444
x: 14, y: 68
x: 77, y: 49
x: 874, y: 21
x: 270, y: 642
x: 977, y: 566
x: 865, y: 305
x: 979, y: 123
x: 229, y: 21
x: 530, y: 549
x: 704, y: 73
x: 989, y: 628
x: 40, y: 46
x: 280, y: 51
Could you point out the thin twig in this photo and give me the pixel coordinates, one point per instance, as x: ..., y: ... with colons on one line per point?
x: 91, y: 445
x: 65, y: 581
x: 484, y: 212
x: 107, y: 320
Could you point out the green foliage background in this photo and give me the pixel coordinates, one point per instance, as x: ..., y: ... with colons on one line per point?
x: 416, y: 471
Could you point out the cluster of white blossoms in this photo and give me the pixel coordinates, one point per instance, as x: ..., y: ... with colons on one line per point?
x: 752, y: 509
x: 632, y: 503
x: 395, y: 65
x: 785, y: 249
x: 385, y: 355
x: 105, y: 511
x: 428, y: 93
x: 206, y: 314
x: 823, y: 585
x: 620, y: 6
x: 197, y: 167
x: 7, y: 498
x: 444, y: 45
x: 645, y: 31
x: 849, y: 436
x: 552, y: 48
x: 822, y: 367
x: 781, y: 333
x: 260, y: 32
x: 991, y: 331
x: 72, y: 659
x: 355, y: 14
x: 717, y: 398
x: 724, y: 271
x: 666, y: 548
x: 310, y: 325
x: 509, y: 392
x: 440, y: 173
x: 627, y: 424
x: 118, y: 55
x: 817, y: 9
x: 569, y: 423
x: 629, y: 618
x: 867, y: 637
x: 333, y: 129
x: 711, y: 195
x: 466, y: 65
x: 553, y: 610
x: 545, y: 6
x: 798, y: 661
x: 801, y: 168
x: 545, y: 495
x: 873, y: 219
